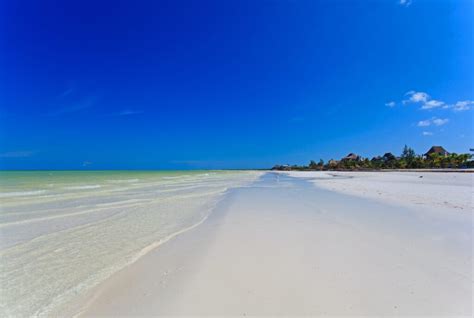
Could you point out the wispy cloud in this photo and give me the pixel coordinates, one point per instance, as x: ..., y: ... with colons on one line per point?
x: 424, y: 123
x: 433, y: 121
x: 66, y: 93
x: 439, y: 121
x: 427, y: 133
x: 405, y: 3
x: 128, y: 112
x: 391, y: 104
x: 432, y: 104
x: 296, y: 119
x: 74, y: 107
x: 463, y: 105
x: 16, y: 154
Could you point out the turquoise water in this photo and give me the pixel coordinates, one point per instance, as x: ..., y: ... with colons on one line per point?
x: 12, y: 182
x: 64, y: 232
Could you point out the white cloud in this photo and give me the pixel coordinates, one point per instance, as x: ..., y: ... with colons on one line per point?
x: 432, y: 104
x: 424, y: 123
x: 463, y: 105
x: 439, y: 121
x: 433, y: 121
x: 427, y: 103
x: 416, y: 97
x: 404, y: 3
x: 427, y: 133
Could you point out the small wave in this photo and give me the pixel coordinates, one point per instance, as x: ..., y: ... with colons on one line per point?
x: 177, y: 177
x: 123, y: 180
x: 21, y: 193
x: 84, y: 187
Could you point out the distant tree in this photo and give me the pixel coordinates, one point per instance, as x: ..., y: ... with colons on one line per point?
x: 313, y: 165
x: 389, y: 161
x: 331, y: 165
x: 407, y: 158
x: 347, y: 165
x: 467, y: 160
x: 408, y: 153
x: 434, y: 160
x: 418, y: 163
x: 402, y: 163
x: 456, y: 160
x: 376, y: 162
x: 366, y: 163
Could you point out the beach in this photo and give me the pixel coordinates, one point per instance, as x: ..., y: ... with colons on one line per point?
x: 64, y: 232
x: 412, y: 189
x: 285, y: 245
x: 240, y: 243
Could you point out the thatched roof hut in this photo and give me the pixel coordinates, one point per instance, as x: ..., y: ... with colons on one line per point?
x: 437, y: 149
x: 351, y: 156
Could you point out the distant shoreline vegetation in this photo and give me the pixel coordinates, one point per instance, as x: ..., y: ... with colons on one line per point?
x: 435, y: 158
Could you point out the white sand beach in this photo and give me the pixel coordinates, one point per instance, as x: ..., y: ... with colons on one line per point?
x: 374, y: 244
x: 433, y: 190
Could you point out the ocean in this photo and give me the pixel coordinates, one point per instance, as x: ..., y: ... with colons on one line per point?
x: 64, y: 232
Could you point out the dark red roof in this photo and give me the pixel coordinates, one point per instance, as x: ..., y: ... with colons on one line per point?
x: 437, y: 149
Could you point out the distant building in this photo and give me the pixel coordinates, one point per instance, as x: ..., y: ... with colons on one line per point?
x: 351, y: 157
x: 436, y: 149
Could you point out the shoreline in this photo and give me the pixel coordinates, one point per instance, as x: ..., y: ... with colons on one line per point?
x: 93, y: 294
x: 59, y: 243
x: 227, y: 265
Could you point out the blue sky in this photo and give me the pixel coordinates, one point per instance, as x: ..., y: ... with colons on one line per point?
x: 230, y: 84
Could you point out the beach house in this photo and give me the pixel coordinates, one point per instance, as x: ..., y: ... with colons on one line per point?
x: 438, y: 150
x: 351, y: 157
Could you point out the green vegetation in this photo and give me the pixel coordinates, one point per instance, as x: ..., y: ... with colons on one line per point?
x: 436, y: 157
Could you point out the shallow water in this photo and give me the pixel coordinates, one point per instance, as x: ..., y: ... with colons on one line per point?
x: 63, y: 232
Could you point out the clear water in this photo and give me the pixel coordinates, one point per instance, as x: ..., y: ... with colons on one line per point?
x: 63, y: 232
